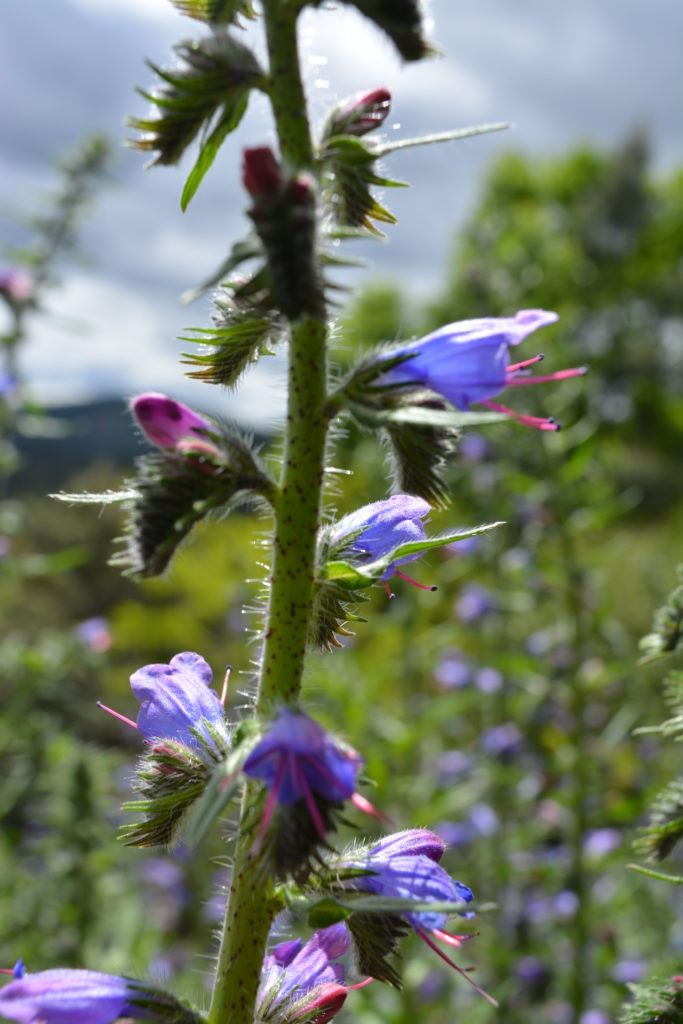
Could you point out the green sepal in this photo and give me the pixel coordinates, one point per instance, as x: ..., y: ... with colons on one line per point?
x: 213, y: 82
x: 665, y: 830
x: 216, y: 12
x: 224, y: 783
x: 162, y: 1007
x: 175, y: 490
x: 667, y: 627
x: 246, y: 325
x: 169, y: 778
x: 659, y: 1001
x: 348, y: 172
x: 355, y: 576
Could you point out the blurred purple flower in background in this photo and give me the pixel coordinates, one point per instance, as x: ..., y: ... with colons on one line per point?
x: 8, y: 384
x: 452, y: 671
x: 95, y: 633
x: 17, y: 284
x: 601, y: 841
x: 452, y: 765
x: 474, y: 602
x: 628, y: 972
x: 595, y: 1017
x: 488, y: 680
x: 502, y: 740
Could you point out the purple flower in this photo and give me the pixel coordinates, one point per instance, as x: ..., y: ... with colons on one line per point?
x: 468, y: 362
x: 17, y: 285
x: 297, y: 759
x: 377, y: 529
x: 488, y: 680
x: 299, y: 978
x: 95, y: 633
x: 70, y: 997
x: 601, y: 841
x: 452, y: 671
x: 406, y: 866
x: 473, y: 603
x: 502, y: 740
x: 170, y: 424
x: 452, y: 764
x: 9, y: 384
x: 359, y: 114
x: 176, y: 701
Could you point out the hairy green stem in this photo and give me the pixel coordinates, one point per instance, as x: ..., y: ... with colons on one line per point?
x: 251, y: 904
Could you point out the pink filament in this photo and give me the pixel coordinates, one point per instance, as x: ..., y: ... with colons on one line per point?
x: 523, y: 365
x: 224, y: 691
x: 310, y: 800
x: 414, y: 583
x: 359, y: 984
x: 577, y: 371
x: 364, y: 805
x: 386, y: 587
x: 539, y: 422
x: 464, y: 974
x: 115, y: 714
x: 450, y: 940
x: 272, y: 799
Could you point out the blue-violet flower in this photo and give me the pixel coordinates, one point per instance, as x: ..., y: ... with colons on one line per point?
x: 69, y: 997
x: 177, y: 702
x: 298, y: 979
x: 377, y: 529
x: 468, y: 362
x: 296, y: 759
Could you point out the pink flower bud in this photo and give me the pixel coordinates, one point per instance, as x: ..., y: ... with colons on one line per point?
x: 261, y: 173
x: 361, y: 113
x: 167, y: 423
x: 329, y: 999
x: 17, y: 285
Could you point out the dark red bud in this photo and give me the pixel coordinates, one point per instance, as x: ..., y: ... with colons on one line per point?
x: 261, y: 174
x: 361, y: 113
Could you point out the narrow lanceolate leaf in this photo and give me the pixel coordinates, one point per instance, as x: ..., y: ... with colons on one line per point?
x: 431, y: 415
x: 216, y: 12
x: 392, y: 145
x: 247, y: 249
x: 210, y: 87
x: 233, y: 112
x: 359, y: 902
x: 94, y: 498
x: 354, y: 576
x: 219, y: 792
x: 402, y: 21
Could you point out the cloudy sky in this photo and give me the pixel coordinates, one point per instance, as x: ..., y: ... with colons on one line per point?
x: 563, y: 73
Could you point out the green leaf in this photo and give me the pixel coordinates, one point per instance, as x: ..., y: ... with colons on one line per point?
x: 384, y: 148
x: 232, y: 115
x: 352, y: 576
x: 93, y: 498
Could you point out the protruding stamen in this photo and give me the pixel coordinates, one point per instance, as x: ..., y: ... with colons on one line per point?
x: 388, y: 590
x: 414, y: 583
x: 576, y: 371
x: 115, y: 714
x: 451, y: 940
x: 224, y: 691
x: 527, y: 362
x: 463, y: 974
x: 367, y: 808
x: 271, y: 801
x: 538, y: 422
x: 310, y: 801
x: 362, y: 984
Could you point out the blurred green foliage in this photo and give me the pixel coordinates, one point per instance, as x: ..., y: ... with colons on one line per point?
x: 499, y: 712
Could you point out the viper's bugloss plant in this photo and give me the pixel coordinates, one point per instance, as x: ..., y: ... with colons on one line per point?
x: 287, y: 782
